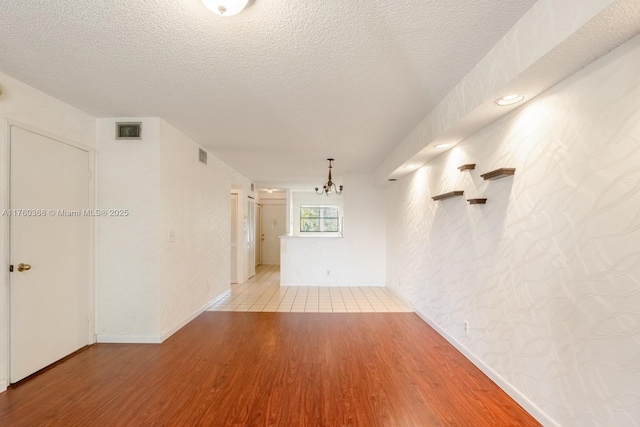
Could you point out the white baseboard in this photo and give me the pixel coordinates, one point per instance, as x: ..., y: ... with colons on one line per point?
x: 3, y: 386
x: 157, y: 339
x: 402, y: 298
x: 129, y: 339
x: 335, y: 285
x: 219, y: 297
x: 166, y: 334
x: 508, y: 388
x: 515, y: 394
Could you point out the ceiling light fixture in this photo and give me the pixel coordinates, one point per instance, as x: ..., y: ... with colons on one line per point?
x: 225, y: 7
x: 441, y: 146
x: 509, y: 99
x: 330, y: 185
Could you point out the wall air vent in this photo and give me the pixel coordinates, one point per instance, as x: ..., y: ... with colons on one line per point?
x: 129, y: 130
x: 202, y: 156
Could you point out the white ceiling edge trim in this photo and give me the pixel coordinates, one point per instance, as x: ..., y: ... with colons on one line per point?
x: 549, y: 43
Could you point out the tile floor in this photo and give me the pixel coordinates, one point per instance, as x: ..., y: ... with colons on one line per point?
x: 263, y: 293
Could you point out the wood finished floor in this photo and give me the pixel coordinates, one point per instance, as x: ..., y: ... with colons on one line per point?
x: 258, y: 369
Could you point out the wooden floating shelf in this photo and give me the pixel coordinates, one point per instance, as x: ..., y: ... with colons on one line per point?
x: 477, y: 201
x: 448, y: 195
x: 499, y: 173
x: 468, y: 166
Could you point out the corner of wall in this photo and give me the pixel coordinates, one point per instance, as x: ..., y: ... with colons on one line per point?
x: 128, y: 251
x: 194, y: 228
x: 505, y: 385
x: 546, y: 270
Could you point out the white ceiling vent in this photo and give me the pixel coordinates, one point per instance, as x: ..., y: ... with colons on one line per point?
x: 202, y: 156
x: 129, y: 130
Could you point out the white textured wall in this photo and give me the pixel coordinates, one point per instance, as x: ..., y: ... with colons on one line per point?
x: 195, y: 206
x: 24, y: 104
x: 149, y: 287
x: 357, y: 258
x: 129, y: 248
x: 548, y: 271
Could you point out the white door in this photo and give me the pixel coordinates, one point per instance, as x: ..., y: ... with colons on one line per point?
x: 273, y: 226
x: 251, y: 239
x: 51, y: 300
x: 258, y: 235
x: 234, y: 238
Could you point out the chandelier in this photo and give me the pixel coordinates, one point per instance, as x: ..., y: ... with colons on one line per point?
x: 330, y: 185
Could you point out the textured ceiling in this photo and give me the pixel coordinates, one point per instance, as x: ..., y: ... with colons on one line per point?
x: 552, y: 41
x: 273, y: 91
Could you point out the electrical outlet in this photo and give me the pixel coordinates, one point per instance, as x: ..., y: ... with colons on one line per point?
x: 466, y: 327
x: 328, y: 272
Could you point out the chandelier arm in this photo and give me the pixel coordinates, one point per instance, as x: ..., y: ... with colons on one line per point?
x: 330, y: 185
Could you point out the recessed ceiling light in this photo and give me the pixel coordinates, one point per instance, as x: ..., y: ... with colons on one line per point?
x: 441, y: 146
x: 225, y: 7
x: 509, y: 99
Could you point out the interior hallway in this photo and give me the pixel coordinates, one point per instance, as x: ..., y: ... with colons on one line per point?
x: 263, y: 293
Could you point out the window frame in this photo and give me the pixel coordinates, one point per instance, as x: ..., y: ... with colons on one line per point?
x: 320, y: 218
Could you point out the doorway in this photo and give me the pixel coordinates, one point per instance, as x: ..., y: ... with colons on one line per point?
x: 50, y: 250
x: 251, y: 237
x: 273, y: 226
x: 258, y: 236
x: 234, y: 237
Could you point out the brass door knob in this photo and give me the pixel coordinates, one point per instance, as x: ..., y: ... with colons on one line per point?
x: 24, y: 267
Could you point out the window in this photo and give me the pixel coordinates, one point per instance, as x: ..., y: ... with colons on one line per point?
x: 319, y: 219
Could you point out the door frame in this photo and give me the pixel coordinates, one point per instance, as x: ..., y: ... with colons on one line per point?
x: 5, y: 249
x: 241, y: 224
x: 258, y: 226
x: 238, y: 240
x: 250, y: 236
x: 273, y: 202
